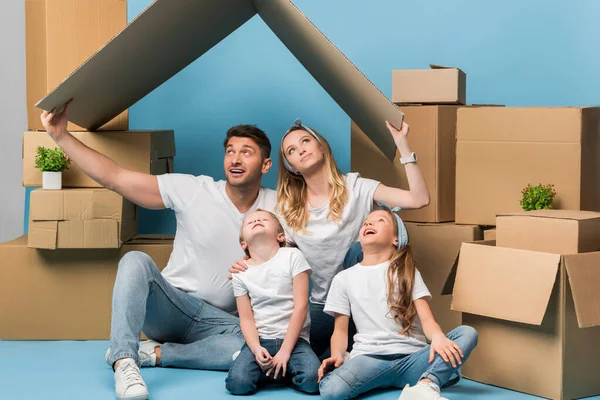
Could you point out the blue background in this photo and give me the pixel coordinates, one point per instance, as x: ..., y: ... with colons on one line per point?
x: 515, y: 52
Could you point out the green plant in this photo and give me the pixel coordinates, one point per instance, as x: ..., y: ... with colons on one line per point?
x: 538, y: 197
x: 51, y: 160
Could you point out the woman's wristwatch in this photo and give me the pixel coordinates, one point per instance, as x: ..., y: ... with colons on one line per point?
x: 411, y: 159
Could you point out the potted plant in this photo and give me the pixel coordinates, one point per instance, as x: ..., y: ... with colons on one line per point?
x: 538, y: 197
x: 52, y: 162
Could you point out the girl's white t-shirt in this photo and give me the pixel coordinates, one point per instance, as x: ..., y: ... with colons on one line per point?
x: 207, y: 237
x: 270, y: 288
x: 361, y: 292
x: 324, y: 242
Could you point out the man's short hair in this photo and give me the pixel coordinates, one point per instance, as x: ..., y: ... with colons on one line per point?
x: 252, y: 132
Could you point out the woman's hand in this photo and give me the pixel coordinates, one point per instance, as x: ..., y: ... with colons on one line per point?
x: 398, y: 134
x: 447, y: 349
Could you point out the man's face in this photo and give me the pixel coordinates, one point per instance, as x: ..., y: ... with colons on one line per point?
x: 244, y: 164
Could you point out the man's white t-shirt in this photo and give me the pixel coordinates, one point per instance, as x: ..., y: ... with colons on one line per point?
x: 270, y: 289
x: 361, y: 292
x: 324, y: 242
x: 207, y: 237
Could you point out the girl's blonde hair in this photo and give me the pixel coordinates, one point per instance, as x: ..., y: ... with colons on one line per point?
x: 400, y: 282
x: 292, y: 192
x: 279, y: 229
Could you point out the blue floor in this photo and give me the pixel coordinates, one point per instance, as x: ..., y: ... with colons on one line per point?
x: 76, y: 370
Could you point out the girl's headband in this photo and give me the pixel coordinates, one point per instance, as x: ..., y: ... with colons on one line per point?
x: 402, y: 233
x: 297, y: 124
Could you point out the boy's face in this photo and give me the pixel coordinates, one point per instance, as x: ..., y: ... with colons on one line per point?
x: 260, y: 224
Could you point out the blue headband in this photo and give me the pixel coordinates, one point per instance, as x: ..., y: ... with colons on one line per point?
x: 297, y: 124
x: 402, y: 233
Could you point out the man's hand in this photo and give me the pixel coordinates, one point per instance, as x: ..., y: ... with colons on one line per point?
x: 328, y: 365
x: 238, y: 266
x: 55, y: 123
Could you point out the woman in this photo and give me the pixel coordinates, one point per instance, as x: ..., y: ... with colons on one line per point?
x: 323, y: 210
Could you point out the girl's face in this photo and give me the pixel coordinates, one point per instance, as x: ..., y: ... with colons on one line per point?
x: 260, y: 223
x: 378, y: 229
x: 302, y: 150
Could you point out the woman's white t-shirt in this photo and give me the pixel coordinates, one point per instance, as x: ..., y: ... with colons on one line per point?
x: 324, y: 242
x: 361, y: 292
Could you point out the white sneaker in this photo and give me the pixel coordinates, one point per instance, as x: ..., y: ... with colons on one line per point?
x: 145, y: 353
x: 421, y: 391
x: 129, y: 384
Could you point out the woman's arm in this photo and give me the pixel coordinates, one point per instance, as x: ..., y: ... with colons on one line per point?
x: 418, y: 195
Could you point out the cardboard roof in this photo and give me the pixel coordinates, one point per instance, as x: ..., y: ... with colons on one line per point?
x: 575, y: 215
x: 170, y: 34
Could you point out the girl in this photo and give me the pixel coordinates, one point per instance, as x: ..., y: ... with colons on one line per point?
x: 272, y: 301
x: 322, y: 209
x: 388, y: 301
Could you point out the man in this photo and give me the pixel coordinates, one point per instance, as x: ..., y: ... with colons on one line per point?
x: 188, y: 307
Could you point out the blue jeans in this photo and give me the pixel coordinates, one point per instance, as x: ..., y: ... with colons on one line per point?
x: 363, y: 373
x: 322, y: 324
x: 302, y: 369
x: 193, y: 333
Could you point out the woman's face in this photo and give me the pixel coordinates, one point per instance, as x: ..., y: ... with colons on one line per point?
x: 302, y: 151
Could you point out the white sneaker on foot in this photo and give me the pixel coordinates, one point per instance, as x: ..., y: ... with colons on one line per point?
x: 129, y: 384
x: 145, y: 353
x: 421, y: 391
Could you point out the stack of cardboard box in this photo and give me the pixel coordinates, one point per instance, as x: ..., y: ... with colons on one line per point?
x: 533, y: 297
x: 57, y: 280
x: 430, y: 100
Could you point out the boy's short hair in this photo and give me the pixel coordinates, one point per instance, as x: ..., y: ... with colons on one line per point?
x: 279, y: 228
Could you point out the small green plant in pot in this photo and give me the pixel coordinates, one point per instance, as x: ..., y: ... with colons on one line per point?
x: 538, y: 197
x: 52, y: 162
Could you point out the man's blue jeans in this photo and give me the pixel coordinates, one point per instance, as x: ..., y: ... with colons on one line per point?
x: 193, y: 333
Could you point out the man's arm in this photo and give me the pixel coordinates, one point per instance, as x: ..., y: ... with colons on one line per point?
x: 139, y: 188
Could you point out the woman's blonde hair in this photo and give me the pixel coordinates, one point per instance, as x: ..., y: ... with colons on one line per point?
x: 400, y: 283
x: 292, y: 192
x: 280, y: 229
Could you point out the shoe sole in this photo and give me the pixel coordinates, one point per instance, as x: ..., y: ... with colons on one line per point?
x: 136, y: 397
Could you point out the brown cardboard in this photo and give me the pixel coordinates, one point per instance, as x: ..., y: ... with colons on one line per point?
x: 62, y: 294
x: 551, y: 231
x: 142, y: 151
x: 60, y: 35
x: 80, y: 218
x: 432, y: 138
x: 169, y: 35
x: 435, y: 247
x: 536, y: 316
x: 490, y: 234
x: 439, y: 85
x: 502, y: 149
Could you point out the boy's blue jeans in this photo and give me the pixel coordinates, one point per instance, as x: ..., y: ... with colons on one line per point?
x: 302, y: 369
x: 194, y: 333
x: 363, y: 373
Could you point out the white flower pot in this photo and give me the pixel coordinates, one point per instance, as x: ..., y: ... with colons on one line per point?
x: 52, y: 180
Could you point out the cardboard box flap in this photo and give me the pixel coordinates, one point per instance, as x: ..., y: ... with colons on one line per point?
x: 350, y: 89
x: 503, y: 283
x: 584, y: 277
x: 451, y: 279
x: 555, y: 214
x: 436, y: 66
x: 168, y: 36
x: 151, y: 239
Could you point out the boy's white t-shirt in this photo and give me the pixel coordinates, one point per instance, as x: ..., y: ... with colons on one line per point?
x: 361, y: 292
x: 207, y: 237
x: 324, y: 242
x: 270, y: 289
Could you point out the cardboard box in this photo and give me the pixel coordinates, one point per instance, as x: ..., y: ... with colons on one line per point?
x: 169, y: 35
x: 502, y: 149
x: 142, y: 151
x: 550, y: 231
x: 490, y: 234
x: 432, y: 137
x: 60, y: 35
x: 63, y: 294
x: 537, y: 319
x: 80, y: 218
x: 435, y: 247
x: 438, y: 85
